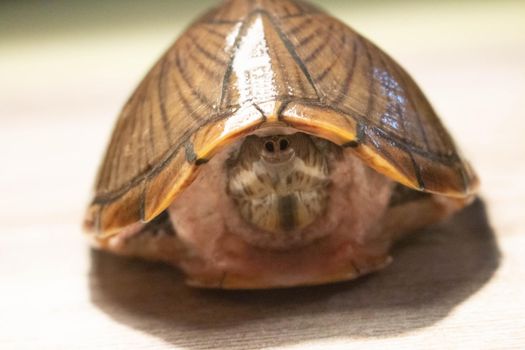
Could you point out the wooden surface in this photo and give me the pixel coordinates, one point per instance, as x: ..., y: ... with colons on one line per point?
x: 460, y: 284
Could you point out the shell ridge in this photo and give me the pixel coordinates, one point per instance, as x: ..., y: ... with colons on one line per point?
x: 291, y: 49
x: 229, y: 68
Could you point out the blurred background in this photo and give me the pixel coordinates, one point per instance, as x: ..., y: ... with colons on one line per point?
x: 67, y: 67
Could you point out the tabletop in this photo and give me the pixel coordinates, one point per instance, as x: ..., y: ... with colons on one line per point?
x: 66, y: 68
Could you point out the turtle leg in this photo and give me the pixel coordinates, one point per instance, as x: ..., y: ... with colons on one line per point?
x: 156, y: 240
x: 410, y: 210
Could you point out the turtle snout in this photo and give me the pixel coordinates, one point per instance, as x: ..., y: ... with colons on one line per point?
x: 277, y: 149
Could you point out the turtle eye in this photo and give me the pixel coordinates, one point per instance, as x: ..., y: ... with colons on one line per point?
x: 269, y: 147
x: 283, y: 144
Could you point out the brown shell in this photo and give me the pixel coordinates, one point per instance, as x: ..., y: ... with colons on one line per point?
x: 252, y: 62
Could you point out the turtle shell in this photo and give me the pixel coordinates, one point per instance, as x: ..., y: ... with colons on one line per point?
x: 247, y: 64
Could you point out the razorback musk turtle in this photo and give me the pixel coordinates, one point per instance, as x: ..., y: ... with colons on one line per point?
x: 274, y: 146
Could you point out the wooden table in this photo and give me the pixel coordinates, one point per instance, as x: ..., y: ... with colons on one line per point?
x: 460, y: 284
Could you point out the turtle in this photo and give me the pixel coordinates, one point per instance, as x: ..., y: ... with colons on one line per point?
x: 273, y: 146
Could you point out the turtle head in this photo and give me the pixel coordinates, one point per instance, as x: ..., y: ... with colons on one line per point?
x: 279, y: 183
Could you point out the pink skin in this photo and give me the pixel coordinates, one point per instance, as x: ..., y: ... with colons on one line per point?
x: 356, y: 231
x: 207, y: 222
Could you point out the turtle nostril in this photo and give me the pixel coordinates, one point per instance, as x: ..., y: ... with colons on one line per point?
x: 283, y: 144
x: 269, y: 147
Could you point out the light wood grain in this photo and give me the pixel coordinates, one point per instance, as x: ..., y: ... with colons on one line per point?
x: 460, y: 284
